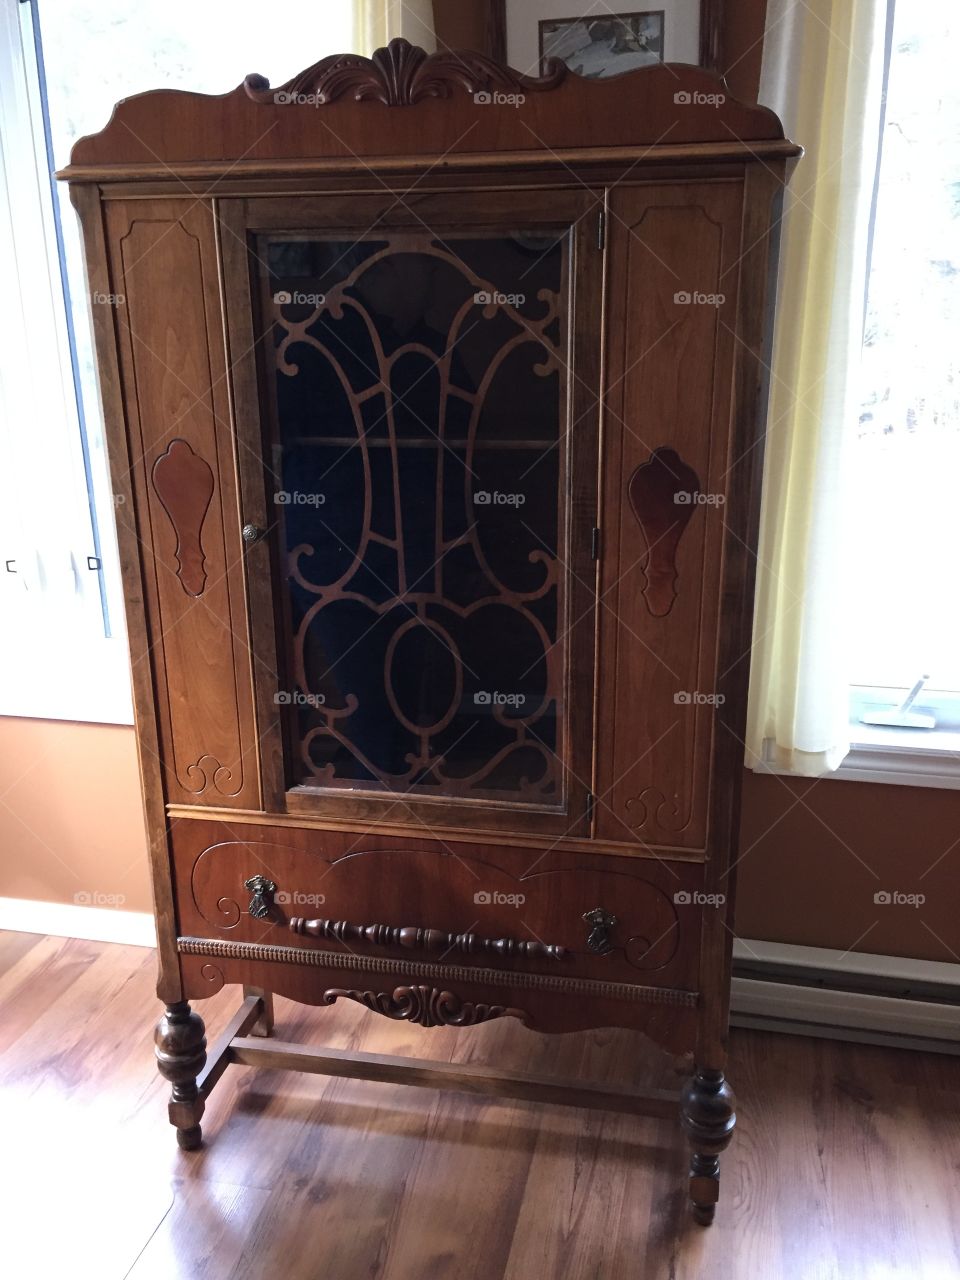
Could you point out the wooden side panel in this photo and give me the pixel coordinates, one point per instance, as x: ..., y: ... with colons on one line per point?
x: 164, y: 269
x: 673, y: 304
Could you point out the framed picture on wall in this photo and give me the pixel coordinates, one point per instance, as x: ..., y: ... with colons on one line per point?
x: 606, y: 46
x: 598, y: 41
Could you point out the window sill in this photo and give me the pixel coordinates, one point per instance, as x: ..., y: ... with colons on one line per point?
x: 896, y: 758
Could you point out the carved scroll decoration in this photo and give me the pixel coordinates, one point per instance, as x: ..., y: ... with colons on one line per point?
x: 401, y: 75
x: 183, y: 482
x: 662, y: 493
x: 207, y: 770
x: 426, y: 1006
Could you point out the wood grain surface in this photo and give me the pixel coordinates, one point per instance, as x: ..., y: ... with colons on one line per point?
x: 844, y: 1167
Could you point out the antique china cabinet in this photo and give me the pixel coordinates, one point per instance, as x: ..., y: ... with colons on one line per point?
x: 434, y: 397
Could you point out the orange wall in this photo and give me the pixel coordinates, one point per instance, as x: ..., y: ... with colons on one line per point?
x: 71, y: 821
x: 813, y: 852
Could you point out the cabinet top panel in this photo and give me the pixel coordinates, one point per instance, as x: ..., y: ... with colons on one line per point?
x: 449, y: 109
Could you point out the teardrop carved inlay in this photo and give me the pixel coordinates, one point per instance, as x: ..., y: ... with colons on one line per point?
x: 656, y: 492
x: 184, y: 484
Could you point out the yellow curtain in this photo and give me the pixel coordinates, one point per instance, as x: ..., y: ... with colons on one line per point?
x: 823, y: 74
x: 377, y: 22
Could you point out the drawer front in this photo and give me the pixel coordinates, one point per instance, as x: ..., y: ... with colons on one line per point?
x: 411, y: 901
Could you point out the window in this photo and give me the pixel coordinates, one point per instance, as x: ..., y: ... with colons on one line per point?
x: 904, y: 503
x: 63, y: 649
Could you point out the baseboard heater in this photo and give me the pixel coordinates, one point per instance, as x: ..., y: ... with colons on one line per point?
x: 872, y: 999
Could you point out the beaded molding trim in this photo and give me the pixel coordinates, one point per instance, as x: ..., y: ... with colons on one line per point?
x: 218, y: 947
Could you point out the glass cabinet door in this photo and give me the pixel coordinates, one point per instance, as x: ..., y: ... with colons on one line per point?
x: 415, y: 386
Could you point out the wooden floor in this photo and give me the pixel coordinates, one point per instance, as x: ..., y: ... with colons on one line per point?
x: 846, y: 1161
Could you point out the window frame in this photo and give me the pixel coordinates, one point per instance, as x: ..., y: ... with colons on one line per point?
x: 67, y: 658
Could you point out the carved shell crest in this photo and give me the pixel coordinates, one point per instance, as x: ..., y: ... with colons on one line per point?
x: 401, y: 75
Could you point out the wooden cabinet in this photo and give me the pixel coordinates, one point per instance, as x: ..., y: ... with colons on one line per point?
x: 434, y: 397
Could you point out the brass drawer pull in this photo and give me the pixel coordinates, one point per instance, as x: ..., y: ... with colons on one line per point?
x: 601, y: 924
x: 385, y: 935
x: 263, y: 890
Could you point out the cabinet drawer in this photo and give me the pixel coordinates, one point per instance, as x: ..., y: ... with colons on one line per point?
x: 411, y: 900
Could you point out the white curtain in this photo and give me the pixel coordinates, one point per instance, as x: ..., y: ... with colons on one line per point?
x: 377, y: 22
x: 823, y: 71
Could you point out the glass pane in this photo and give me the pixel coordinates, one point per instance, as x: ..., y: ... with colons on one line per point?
x: 416, y: 403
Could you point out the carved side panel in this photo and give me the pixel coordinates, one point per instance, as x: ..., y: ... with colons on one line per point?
x: 169, y: 329
x: 673, y: 316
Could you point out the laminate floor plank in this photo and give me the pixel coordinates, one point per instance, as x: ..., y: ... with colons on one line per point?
x: 844, y: 1165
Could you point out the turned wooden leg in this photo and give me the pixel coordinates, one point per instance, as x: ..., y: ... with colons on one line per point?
x: 181, y: 1049
x: 264, y: 1024
x: 708, y: 1117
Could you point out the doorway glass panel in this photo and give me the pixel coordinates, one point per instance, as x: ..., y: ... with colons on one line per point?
x: 415, y: 388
